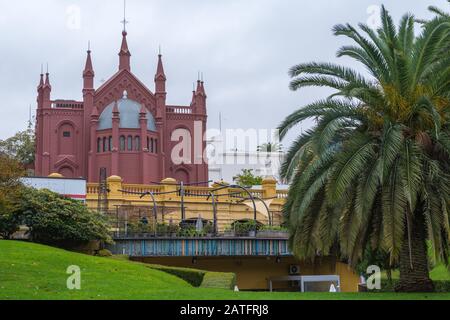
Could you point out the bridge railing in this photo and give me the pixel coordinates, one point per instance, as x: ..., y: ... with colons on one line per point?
x: 139, y: 223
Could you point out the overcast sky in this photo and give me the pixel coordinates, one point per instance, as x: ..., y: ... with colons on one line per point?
x: 244, y: 48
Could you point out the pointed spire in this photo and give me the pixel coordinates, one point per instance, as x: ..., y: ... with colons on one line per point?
x: 160, y: 77
x: 47, y: 79
x: 203, y: 88
x: 160, y: 74
x: 41, y: 80
x: 199, y: 98
x: 202, y: 85
x: 88, y: 69
x: 124, y: 46
x: 124, y: 54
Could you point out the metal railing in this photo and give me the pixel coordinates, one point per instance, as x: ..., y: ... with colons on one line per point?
x: 131, y: 222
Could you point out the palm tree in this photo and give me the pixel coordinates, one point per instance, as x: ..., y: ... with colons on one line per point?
x: 374, y: 170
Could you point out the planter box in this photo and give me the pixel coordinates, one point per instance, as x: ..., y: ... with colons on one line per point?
x: 272, y: 234
x: 229, y: 234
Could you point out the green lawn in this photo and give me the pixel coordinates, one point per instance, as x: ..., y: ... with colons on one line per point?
x: 440, y: 272
x: 31, y: 271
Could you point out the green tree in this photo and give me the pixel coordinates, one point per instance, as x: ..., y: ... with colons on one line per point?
x: 375, y: 167
x: 54, y: 219
x: 10, y: 173
x: 247, y: 179
x: 20, y: 147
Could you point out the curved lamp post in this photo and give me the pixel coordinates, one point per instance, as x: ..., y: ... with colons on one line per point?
x: 251, y: 197
x: 269, y: 215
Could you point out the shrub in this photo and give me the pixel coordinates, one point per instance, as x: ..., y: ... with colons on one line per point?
x: 173, y: 228
x: 228, y: 229
x: 242, y: 228
x: 104, y: 253
x: 201, y: 278
x: 162, y: 229
x: 219, y: 280
x: 53, y: 219
x: 192, y: 276
x: 9, y: 224
x: 208, y: 228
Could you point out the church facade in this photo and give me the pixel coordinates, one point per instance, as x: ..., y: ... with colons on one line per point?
x: 121, y: 126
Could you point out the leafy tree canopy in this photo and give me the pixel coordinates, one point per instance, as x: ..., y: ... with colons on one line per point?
x: 54, y: 219
x: 20, y: 147
x: 247, y: 179
x: 10, y: 173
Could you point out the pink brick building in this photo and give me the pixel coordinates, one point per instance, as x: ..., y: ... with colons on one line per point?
x: 122, y: 126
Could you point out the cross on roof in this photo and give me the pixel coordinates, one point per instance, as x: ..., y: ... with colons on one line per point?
x: 124, y: 21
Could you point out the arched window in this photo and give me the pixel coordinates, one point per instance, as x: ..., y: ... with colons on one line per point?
x: 105, y: 146
x: 137, y: 143
x: 130, y: 143
x: 122, y: 143
x: 110, y: 144
x: 99, y: 145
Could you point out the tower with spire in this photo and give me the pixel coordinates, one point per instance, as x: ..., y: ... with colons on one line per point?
x: 121, y: 125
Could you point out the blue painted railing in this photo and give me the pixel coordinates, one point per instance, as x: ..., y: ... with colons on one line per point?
x: 198, y: 247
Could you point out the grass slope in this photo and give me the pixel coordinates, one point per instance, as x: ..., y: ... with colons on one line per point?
x: 439, y: 272
x: 31, y: 271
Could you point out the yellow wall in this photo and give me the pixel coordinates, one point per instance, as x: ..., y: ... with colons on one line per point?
x: 252, y: 272
x: 229, y: 209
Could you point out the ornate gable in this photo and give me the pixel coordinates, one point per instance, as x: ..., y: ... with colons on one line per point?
x: 66, y: 161
x: 113, y: 89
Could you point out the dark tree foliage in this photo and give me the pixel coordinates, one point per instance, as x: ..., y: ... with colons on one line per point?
x: 53, y: 219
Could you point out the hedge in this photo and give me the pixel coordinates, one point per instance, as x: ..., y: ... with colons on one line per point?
x: 200, y: 278
x: 219, y: 280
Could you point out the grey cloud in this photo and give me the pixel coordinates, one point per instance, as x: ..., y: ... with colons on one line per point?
x: 243, y: 47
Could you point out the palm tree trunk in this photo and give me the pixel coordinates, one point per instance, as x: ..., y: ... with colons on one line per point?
x: 414, y: 271
x: 389, y: 276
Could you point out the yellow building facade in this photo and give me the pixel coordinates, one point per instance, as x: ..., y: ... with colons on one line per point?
x: 255, y: 259
x: 229, y: 204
